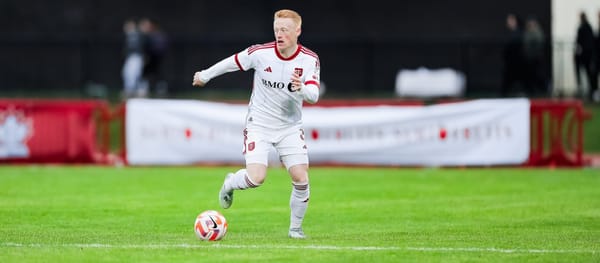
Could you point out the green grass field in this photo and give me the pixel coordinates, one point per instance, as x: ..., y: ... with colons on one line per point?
x: 591, y: 130
x: 110, y: 214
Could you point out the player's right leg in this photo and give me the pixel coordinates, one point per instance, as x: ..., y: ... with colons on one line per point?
x: 257, y: 155
x: 251, y: 177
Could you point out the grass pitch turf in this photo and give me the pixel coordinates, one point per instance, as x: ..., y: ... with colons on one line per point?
x: 108, y: 214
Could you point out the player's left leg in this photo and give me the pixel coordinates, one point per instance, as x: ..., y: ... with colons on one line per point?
x: 298, y: 199
x: 293, y: 152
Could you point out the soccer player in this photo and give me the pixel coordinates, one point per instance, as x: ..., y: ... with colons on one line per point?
x: 285, y: 74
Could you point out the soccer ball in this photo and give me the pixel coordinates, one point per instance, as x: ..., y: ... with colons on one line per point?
x: 210, y: 225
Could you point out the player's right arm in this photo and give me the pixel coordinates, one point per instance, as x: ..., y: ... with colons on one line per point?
x: 226, y: 65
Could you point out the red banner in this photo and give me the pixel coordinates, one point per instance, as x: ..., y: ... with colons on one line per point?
x: 50, y: 131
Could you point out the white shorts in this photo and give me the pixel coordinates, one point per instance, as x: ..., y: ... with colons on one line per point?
x: 289, y: 143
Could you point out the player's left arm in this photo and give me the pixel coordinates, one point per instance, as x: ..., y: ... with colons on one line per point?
x: 309, y: 87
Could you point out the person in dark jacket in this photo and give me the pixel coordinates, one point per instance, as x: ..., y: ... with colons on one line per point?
x: 512, y: 77
x: 584, y: 56
x: 155, y: 48
x: 596, y: 94
x: 134, y: 60
x: 534, y: 43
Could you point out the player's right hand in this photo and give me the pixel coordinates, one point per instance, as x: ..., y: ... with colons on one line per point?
x: 296, y: 82
x: 197, y: 81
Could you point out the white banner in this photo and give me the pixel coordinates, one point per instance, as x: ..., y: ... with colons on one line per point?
x: 478, y: 132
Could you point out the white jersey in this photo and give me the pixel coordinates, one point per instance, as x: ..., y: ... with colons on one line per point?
x: 273, y: 104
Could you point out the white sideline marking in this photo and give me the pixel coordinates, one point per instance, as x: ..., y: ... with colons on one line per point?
x: 313, y: 247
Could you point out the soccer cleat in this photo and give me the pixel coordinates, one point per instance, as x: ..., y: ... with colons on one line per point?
x: 296, y: 233
x: 226, y: 198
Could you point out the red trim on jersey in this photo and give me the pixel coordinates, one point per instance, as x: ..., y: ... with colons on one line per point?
x: 238, y: 62
x: 292, y: 56
x: 261, y: 46
x: 313, y: 82
x: 309, y: 52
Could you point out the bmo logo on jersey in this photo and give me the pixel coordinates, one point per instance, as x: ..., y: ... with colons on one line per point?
x: 277, y: 85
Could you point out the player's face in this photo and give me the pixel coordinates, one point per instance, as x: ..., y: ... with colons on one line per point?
x: 286, y: 33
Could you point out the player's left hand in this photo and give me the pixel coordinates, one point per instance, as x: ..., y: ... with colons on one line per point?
x: 296, y: 82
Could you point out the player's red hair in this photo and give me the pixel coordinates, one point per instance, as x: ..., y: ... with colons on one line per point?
x: 287, y: 13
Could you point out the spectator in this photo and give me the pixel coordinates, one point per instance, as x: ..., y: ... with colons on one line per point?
x: 584, y: 55
x: 134, y: 59
x: 596, y: 94
x: 533, y: 53
x: 156, y: 45
x: 513, y: 57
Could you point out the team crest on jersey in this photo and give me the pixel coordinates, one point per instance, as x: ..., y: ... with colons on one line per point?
x: 298, y: 71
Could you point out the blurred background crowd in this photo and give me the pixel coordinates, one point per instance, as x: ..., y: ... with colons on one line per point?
x: 121, y: 49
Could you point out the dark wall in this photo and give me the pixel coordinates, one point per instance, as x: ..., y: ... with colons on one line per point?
x: 361, y: 44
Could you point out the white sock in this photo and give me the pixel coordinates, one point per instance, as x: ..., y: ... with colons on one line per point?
x: 298, y: 203
x: 240, y: 181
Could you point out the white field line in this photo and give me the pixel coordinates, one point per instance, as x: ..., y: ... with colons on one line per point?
x: 309, y: 247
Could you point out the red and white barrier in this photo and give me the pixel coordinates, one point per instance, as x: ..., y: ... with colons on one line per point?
x: 478, y: 132
x: 47, y: 131
x: 382, y: 132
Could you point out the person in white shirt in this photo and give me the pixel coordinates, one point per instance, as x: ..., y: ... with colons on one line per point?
x: 285, y: 74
